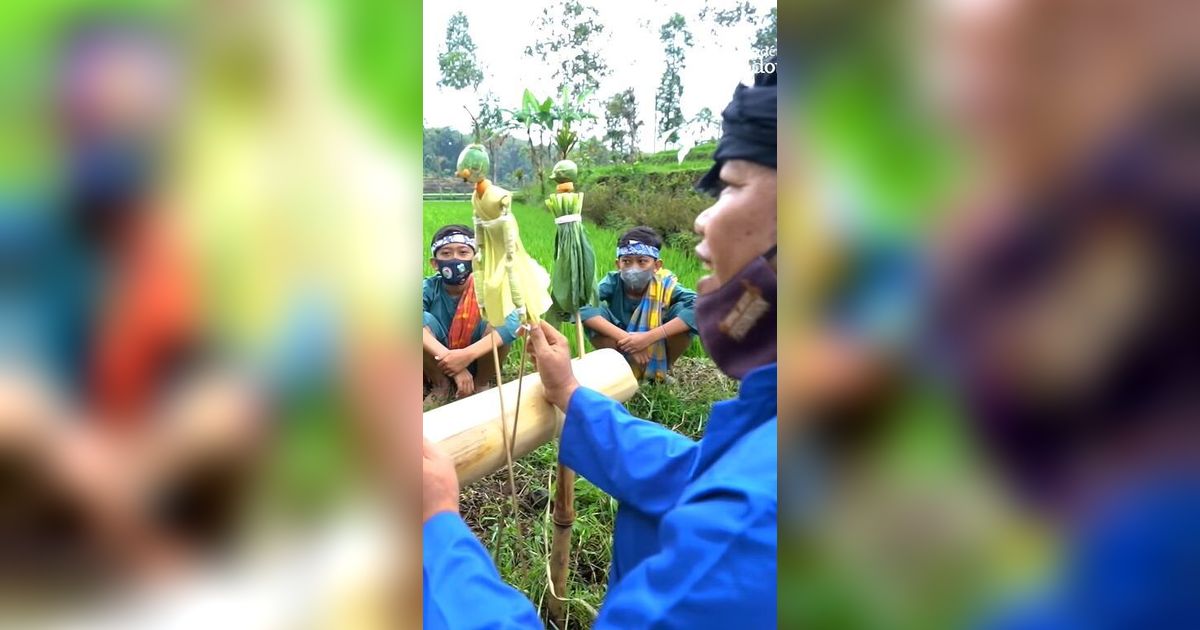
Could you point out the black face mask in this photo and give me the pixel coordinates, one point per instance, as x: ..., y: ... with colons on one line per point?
x: 737, y: 321
x: 454, y: 272
x: 107, y: 181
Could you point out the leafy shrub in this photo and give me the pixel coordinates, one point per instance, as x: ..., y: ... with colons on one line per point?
x: 619, y: 205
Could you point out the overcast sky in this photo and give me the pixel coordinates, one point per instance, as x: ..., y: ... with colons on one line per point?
x: 630, y: 46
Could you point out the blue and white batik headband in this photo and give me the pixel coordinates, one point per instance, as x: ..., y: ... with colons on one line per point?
x: 637, y: 248
x: 457, y: 237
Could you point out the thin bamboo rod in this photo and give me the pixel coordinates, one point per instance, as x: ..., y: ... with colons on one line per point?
x: 508, y: 453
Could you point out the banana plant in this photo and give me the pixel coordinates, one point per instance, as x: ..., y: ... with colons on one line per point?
x: 570, y: 110
x: 540, y: 117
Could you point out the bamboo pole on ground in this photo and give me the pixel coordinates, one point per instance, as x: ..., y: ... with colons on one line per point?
x: 564, y: 521
x: 467, y: 429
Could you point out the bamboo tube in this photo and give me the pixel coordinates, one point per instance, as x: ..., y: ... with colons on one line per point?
x: 469, y: 431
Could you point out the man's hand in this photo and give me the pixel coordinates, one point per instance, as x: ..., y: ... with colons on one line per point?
x: 465, y: 383
x: 454, y: 361
x: 641, y: 357
x: 439, y: 482
x: 637, y: 342
x: 552, y: 354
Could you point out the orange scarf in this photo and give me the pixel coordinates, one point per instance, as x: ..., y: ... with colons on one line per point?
x: 466, y: 317
x: 151, y: 313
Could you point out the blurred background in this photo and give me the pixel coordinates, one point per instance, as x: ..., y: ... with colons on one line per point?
x: 988, y: 371
x: 199, y: 313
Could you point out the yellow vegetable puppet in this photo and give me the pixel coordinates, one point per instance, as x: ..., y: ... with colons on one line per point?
x: 506, y: 278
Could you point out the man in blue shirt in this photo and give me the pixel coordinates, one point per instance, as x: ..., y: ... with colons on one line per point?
x: 694, y: 541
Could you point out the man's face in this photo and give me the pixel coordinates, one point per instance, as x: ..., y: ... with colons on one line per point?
x: 639, y: 263
x: 453, y: 251
x: 125, y: 88
x: 740, y: 226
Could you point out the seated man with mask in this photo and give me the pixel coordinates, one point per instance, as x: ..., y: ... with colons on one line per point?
x: 456, y: 339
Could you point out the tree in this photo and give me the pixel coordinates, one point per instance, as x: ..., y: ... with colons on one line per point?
x: 458, y: 63
x: 573, y: 49
x: 594, y: 153
x: 708, y: 127
x: 490, y: 128
x: 676, y: 40
x: 622, y: 124
x: 539, y: 117
x: 723, y: 18
x: 443, y: 143
x: 568, y: 111
x: 768, y: 32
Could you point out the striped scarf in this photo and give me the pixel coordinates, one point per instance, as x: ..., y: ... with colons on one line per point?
x: 649, y: 315
x: 466, y: 317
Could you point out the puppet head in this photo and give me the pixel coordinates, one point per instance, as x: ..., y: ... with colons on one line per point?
x: 473, y: 163
x: 565, y: 171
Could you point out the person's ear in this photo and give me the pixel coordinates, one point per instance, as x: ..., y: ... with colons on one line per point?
x: 617, y: 263
x: 433, y: 263
x: 658, y: 264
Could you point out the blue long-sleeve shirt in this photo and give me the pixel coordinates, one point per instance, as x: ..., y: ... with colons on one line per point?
x: 694, y: 541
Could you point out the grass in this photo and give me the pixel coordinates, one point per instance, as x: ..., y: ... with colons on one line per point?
x: 520, y: 546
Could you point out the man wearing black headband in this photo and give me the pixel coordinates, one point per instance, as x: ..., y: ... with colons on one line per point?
x: 694, y: 543
x: 456, y: 339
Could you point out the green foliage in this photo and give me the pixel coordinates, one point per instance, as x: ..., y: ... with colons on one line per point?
x: 622, y: 124
x: 676, y: 40
x: 568, y: 110
x: 570, y: 43
x: 536, y: 116
x: 458, y: 63
x: 490, y: 128
x: 729, y: 16
x: 707, y: 125
x: 699, y: 157
x: 768, y: 31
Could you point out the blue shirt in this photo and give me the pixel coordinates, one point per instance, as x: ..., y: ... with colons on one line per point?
x: 50, y: 282
x: 1135, y: 564
x: 694, y: 542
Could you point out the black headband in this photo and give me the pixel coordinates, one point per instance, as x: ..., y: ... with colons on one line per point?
x: 748, y: 129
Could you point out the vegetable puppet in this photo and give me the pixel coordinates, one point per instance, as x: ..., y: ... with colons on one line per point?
x: 506, y: 278
x: 573, y: 287
x: 573, y: 284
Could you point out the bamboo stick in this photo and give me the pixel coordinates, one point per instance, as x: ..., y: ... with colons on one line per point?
x: 468, y: 431
x: 508, y: 452
x: 564, y: 522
